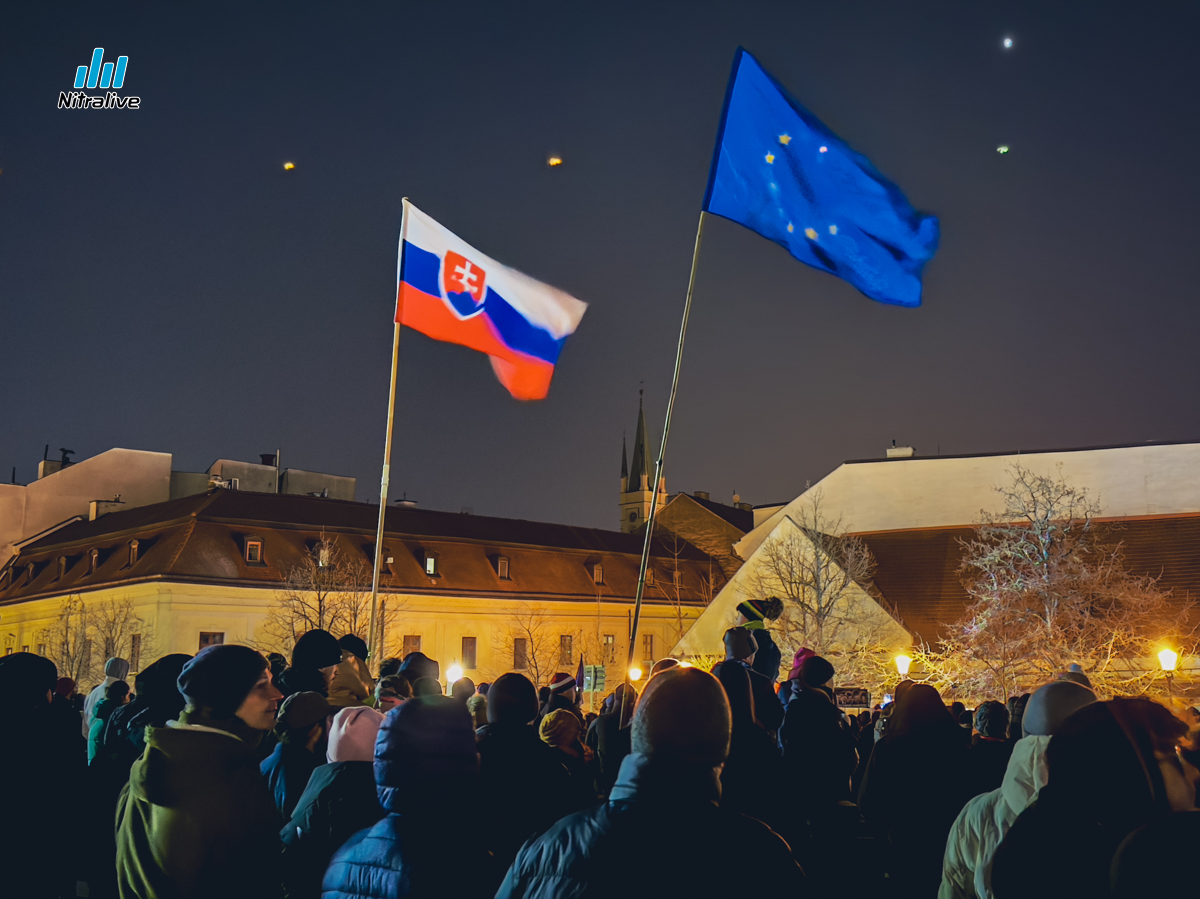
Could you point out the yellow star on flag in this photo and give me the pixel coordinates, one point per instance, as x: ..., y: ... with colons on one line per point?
x: 810, y: 233
x: 785, y: 139
x: 770, y: 158
x: 791, y: 227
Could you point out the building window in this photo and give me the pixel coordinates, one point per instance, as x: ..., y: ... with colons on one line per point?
x: 520, y: 653
x: 468, y: 654
x: 610, y: 648
x: 598, y: 573
x: 412, y: 643
x: 649, y: 577
x: 25, y: 648
x: 647, y: 647
x: 135, y: 652
x: 431, y: 564
x: 211, y: 638
x: 502, y: 567
x: 254, y: 554
x: 133, y: 553
x: 677, y: 578
x: 93, y: 561
x: 566, y: 653
x: 62, y: 566
x: 41, y: 649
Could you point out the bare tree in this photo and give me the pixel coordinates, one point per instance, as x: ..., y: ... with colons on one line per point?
x: 84, y: 636
x: 329, y: 589
x: 529, y: 641
x: 68, y: 640
x: 1048, y: 588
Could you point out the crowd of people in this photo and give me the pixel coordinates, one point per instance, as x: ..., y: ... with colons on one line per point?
x: 231, y: 774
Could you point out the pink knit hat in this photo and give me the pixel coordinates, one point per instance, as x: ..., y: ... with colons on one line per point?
x: 352, y: 735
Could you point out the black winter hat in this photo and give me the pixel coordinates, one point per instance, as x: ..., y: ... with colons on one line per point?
x: 25, y: 678
x: 220, y: 678
x: 816, y: 671
x: 355, y: 644
x: 417, y: 665
x: 316, y: 649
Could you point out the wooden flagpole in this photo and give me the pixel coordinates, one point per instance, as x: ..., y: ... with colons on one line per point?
x: 658, y: 468
x: 387, y: 455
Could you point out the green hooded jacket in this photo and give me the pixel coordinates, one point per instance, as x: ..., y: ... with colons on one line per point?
x: 196, y: 820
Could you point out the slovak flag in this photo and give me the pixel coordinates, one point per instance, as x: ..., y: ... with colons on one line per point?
x: 448, y: 290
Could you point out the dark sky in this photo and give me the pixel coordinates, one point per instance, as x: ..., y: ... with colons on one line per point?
x: 166, y: 285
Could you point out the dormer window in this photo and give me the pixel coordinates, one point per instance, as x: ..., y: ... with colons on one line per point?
x: 502, y: 567
x: 323, y: 553
x: 431, y: 563
x: 677, y: 578
x: 254, y: 550
x: 93, y: 561
x: 133, y: 553
x: 597, y: 573
x: 649, y: 577
x: 62, y: 567
x: 29, y: 573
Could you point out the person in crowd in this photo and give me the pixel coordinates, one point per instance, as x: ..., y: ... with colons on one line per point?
x: 156, y: 702
x: 483, y: 688
x: 957, y: 710
x: 563, y: 696
x: 753, y: 614
x: 990, y: 748
x: 301, y: 748
x: 662, y: 665
x: 915, y: 785
x: 427, y: 686
x: 561, y: 730
x: 983, y: 822
x: 610, y: 737
x: 1075, y: 673
x: 426, y: 771
x: 477, y: 708
x: 740, y: 649
x: 523, y: 788
x: 1016, y: 709
x: 1149, y: 860
x: 391, y: 691
x: 417, y: 665
x: 665, y: 806
x: 753, y: 769
x: 352, y: 682
x: 115, y: 696
x: 44, y: 758
x: 819, y: 755
x: 277, y: 662
x: 340, y: 800
x: 196, y: 818
x: 1113, y: 767
x: 315, y: 660
x: 114, y: 670
x: 389, y: 666
x: 64, y: 689
x: 463, y: 689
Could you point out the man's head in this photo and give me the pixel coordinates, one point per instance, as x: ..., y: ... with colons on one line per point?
x: 991, y: 720
x: 1049, y: 706
x: 355, y: 645
x: 563, y: 684
x: 116, y: 668
x: 512, y: 699
x: 740, y: 645
x: 318, y: 649
x: 755, y: 611
x: 391, y: 691
x: 229, y: 680
x: 463, y: 689
x: 302, y: 719
x: 816, y: 672
x: 425, y: 755
x: 683, y: 717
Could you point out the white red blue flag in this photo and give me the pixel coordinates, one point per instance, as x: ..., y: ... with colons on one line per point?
x: 448, y: 290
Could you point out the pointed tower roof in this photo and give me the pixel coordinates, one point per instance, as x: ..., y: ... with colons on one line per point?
x: 624, y: 459
x: 641, y: 453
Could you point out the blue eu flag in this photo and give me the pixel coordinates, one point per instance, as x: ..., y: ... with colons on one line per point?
x: 781, y: 173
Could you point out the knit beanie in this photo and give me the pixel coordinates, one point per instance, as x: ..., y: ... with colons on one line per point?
x: 559, y: 728
x: 352, y: 735
x: 24, y: 680
x: 316, y: 649
x: 761, y: 609
x: 816, y: 671
x: 1051, y: 705
x: 798, y: 660
x: 740, y: 643
x: 219, y: 678
x: 424, y: 751
x: 683, y: 718
x: 561, y: 682
x: 512, y: 699
x: 354, y: 644
x: 301, y: 710
x: 64, y: 687
x: 417, y: 665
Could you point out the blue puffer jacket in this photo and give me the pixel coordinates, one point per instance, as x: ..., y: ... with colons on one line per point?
x: 426, y: 768
x: 660, y: 819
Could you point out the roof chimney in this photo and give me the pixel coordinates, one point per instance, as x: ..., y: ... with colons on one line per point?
x: 699, y: 494
x: 267, y: 458
x: 900, y: 452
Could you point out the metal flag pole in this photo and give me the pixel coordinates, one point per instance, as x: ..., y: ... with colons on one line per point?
x: 658, y: 468
x: 387, y: 453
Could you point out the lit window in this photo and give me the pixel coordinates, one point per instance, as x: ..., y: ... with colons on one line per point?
x: 412, y: 643
x: 254, y: 551
x: 610, y: 648
x: 598, y: 573
x: 649, y: 577
x: 469, y: 646
x: 431, y: 564
x: 211, y: 638
x: 502, y: 567
x: 62, y: 566
x: 647, y: 647
x: 133, y: 553
x: 41, y: 649
x: 135, y: 651
x: 93, y: 561
x: 565, y: 650
x: 520, y: 653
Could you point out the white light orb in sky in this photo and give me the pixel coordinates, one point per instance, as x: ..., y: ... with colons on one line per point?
x: 1008, y: 42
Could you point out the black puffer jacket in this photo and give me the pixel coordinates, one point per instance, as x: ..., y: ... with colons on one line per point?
x: 657, y: 818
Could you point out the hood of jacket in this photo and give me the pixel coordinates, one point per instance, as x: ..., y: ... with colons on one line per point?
x: 643, y: 777
x: 1026, y: 773
x: 183, y: 759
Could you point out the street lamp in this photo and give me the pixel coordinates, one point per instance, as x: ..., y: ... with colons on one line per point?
x: 902, y: 665
x: 635, y: 674
x: 453, y: 675
x: 1167, y: 660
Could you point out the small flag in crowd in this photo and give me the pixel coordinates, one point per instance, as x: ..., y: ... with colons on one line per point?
x: 450, y: 291
x: 781, y: 173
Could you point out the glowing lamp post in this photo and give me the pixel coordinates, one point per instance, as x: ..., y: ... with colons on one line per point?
x: 453, y: 675
x: 635, y: 674
x: 903, y: 663
x: 1167, y: 660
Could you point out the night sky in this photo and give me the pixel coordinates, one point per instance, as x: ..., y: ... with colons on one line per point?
x: 166, y: 285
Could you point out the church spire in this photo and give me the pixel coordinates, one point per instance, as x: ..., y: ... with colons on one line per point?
x: 624, y: 462
x: 639, y: 474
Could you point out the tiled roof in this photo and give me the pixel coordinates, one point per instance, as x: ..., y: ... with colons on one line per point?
x: 201, y: 539
x: 741, y: 519
x: 917, y: 571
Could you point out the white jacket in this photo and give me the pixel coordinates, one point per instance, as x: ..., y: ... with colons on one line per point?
x: 983, y: 822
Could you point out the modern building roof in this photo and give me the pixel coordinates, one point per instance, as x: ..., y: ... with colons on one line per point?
x: 918, y: 570
x: 201, y: 538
